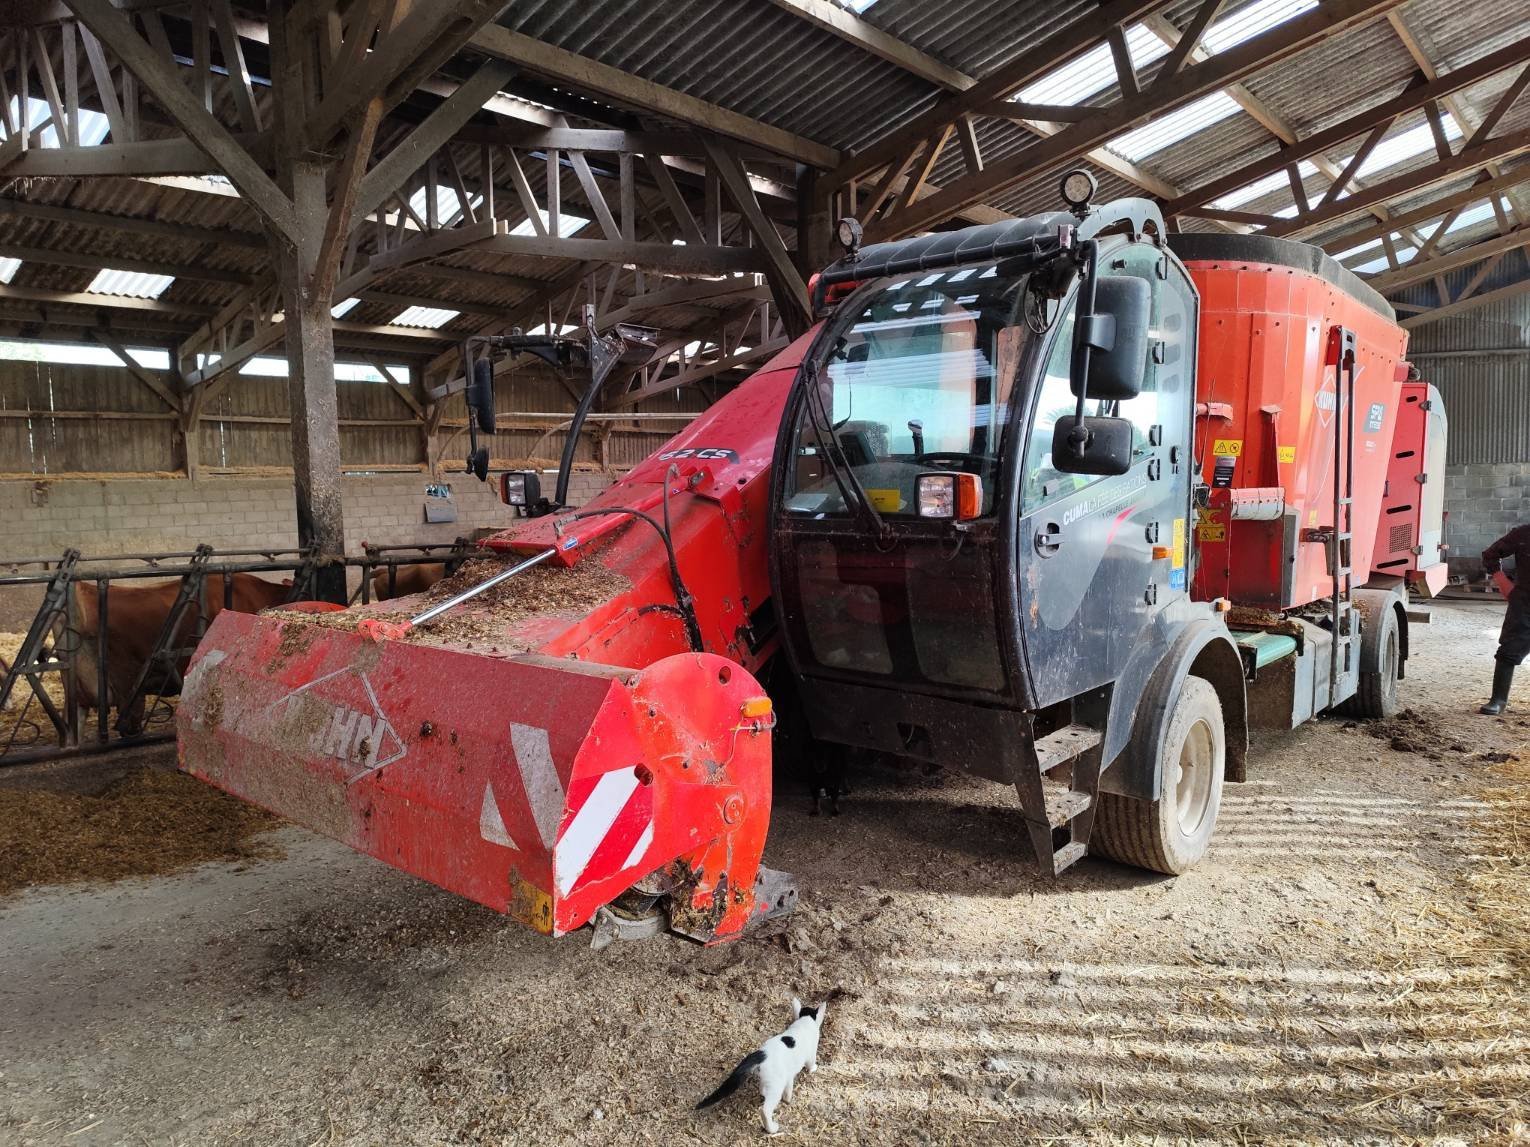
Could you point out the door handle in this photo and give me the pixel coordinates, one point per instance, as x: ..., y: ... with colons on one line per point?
x: 1048, y: 539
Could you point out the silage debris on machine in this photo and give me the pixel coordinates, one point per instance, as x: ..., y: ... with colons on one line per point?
x: 484, y: 620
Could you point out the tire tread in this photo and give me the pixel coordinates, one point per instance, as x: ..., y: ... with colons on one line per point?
x: 1126, y: 829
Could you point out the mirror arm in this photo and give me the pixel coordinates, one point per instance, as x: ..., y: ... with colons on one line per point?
x: 1089, y: 254
x: 472, y: 414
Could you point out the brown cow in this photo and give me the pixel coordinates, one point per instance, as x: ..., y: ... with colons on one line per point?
x: 134, y: 616
x: 415, y: 578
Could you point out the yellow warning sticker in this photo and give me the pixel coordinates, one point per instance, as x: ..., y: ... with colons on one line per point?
x: 886, y: 501
x: 1285, y: 453
x: 1211, y: 532
x: 1179, y: 544
x: 1227, y: 447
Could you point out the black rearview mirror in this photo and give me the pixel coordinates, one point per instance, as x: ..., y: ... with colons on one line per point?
x: 1116, y: 335
x: 480, y: 395
x: 1107, y: 447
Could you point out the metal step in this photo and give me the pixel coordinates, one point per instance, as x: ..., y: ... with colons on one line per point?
x: 1067, y: 855
x: 1064, y: 745
x: 1063, y: 804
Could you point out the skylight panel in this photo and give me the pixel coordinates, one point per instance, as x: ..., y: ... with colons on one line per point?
x: 857, y: 6
x: 541, y: 329
x: 1250, y: 21
x: 1262, y: 187
x: 1360, y: 250
x: 568, y: 225
x: 448, y: 205
x: 428, y: 317
x: 1170, y: 129
x: 1402, y: 147
x: 1092, y: 72
x: 93, y: 125
x: 133, y: 284
x: 8, y: 269
x: 1468, y: 218
x: 343, y: 307
x: 1381, y: 264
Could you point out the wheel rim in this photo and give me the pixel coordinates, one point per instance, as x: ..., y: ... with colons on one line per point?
x: 1192, y: 788
x: 1389, y: 661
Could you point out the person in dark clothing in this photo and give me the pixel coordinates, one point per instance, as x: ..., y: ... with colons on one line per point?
x: 1512, y: 554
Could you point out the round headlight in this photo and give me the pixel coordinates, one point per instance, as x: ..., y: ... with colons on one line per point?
x: 1078, y: 188
x: 848, y: 232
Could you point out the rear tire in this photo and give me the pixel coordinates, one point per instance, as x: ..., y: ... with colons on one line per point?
x: 1171, y: 834
x: 1376, y: 695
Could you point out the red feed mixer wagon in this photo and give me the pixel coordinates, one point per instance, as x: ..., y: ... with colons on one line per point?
x: 1064, y: 501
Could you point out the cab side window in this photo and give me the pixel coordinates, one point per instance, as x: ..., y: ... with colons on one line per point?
x: 1142, y: 261
x: 1041, y: 481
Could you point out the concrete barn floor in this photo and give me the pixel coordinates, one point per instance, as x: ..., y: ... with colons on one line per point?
x: 1336, y: 971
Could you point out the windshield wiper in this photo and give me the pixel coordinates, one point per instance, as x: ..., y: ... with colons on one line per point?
x: 842, y: 473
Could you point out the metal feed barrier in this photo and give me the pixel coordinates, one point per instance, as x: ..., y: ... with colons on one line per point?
x: 37, y: 725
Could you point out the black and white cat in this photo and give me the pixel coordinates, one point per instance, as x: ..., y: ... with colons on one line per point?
x: 777, y: 1063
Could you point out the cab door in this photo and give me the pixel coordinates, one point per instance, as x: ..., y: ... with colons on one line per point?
x: 1099, y: 557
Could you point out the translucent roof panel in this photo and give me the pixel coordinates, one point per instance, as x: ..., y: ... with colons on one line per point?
x: 1092, y: 72
x: 568, y: 225
x: 1095, y: 70
x: 8, y: 268
x: 134, y: 284
x: 1401, y: 147
x: 430, y: 317
x: 448, y: 205
x: 1250, y: 21
x: 1263, y: 187
x: 343, y: 307
x: 93, y: 125
x: 1380, y: 263
x: 1360, y: 250
x: 1169, y: 129
x: 1478, y: 214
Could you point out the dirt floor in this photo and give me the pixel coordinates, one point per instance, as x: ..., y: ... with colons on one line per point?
x: 1349, y: 965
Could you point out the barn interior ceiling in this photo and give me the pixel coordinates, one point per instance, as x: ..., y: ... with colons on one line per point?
x: 195, y: 188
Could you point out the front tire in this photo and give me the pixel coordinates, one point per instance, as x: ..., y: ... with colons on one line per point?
x: 1171, y: 834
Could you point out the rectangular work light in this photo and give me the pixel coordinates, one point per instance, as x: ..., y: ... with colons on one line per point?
x: 520, y: 488
x: 957, y: 496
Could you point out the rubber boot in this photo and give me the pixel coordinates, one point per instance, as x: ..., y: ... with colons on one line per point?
x: 1503, y: 677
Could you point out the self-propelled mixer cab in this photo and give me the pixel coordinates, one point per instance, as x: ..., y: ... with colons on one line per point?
x: 980, y: 511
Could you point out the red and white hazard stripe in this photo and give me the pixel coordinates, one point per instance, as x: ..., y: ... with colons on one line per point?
x: 610, y: 828
x: 609, y: 822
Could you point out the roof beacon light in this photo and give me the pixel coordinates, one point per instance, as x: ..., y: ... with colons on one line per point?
x: 1078, y: 188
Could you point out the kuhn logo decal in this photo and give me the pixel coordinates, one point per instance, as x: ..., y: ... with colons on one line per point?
x: 343, y: 720
x: 704, y: 452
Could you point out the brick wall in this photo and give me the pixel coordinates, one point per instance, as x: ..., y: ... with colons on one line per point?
x: 1483, y: 501
x: 148, y: 515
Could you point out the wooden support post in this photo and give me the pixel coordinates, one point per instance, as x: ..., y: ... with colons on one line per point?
x: 814, y: 227
x: 306, y: 301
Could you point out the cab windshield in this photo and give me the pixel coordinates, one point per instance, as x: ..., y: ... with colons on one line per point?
x: 919, y: 382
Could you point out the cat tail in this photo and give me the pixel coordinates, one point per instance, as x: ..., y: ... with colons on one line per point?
x: 746, y: 1067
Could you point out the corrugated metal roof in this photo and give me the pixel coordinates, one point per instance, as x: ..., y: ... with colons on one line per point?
x: 762, y: 60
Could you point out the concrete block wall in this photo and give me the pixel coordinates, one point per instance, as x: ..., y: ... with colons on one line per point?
x: 1483, y: 501
x: 172, y: 515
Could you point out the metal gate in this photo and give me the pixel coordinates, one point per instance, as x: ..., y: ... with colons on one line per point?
x: 62, y: 665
